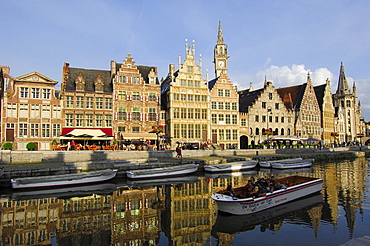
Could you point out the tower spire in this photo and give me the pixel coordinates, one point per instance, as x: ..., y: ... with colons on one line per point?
x: 220, y: 37
x: 342, y: 82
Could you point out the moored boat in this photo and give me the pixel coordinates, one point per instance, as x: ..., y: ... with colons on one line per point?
x: 64, y: 179
x: 237, y: 204
x: 162, y: 171
x: 231, y: 166
x: 267, y: 164
x: 293, y: 164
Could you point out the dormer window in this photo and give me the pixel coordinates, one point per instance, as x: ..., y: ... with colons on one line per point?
x: 80, y: 82
x: 99, y: 84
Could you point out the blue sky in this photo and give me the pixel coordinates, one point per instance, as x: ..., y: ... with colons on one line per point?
x: 280, y: 39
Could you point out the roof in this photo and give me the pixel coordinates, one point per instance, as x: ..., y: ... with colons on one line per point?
x: 89, y: 75
x: 320, y: 93
x: 246, y: 98
x: 212, y: 83
x: 143, y: 70
x: 292, y: 96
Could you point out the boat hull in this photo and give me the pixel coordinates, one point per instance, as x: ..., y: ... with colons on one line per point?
x: 267, y: 164
x: 232, y: 166
x: 282, y: 165
x: 238, y: 206
x: 162, y: 172
x: 65, y: 179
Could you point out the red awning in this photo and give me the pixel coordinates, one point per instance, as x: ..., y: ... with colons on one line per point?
x: 107, y: 131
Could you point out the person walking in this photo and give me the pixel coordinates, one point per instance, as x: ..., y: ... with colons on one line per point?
x: 179, y: 152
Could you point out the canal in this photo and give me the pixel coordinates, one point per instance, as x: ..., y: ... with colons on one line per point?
x: 179, y: 211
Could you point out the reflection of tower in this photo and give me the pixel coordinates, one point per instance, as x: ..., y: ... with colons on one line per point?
x: 315, y: 216
x: 225, y: 239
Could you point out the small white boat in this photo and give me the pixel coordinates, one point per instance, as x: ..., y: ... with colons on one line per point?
x: 267, y: 164
x: 162, y: 171
x: 292, y: 164
x: 233, y: 204
x: 232, y: 166
x: 64, y: 179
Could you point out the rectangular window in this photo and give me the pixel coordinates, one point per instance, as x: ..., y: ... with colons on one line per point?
x: 35, y: 111
x: 36, y: 93
x: 214, y: 118
x: 282, y: 119
x: 136, y: 113
x: 56, y: 130
x: 99, y: 103
x: 183, y: 97
x: 204, y: 98
x: 136, y: 80
x: 243, y: 122
x: 214, y: 105
x: 190, y: 131
x: 152, y: 114
x: 23, y: 111
x: 270, y: 96
x: 221, y: 105
x: 89, y: 120
x: 99, y: 120
x: 256, y: 118
x: 122, y: 113
x: 276, y: 119
x: 221, y: 134
x: 45, y: 111
x: 183, y: 82
x: 227, y: 93
x: 197, y: 113
x: 190, y: 113
x: 108, y: 120
x: 221, y: 119
x: 190, y: 97
x: 183, y: 131
x: 176, y: 113
x: 79, y: 120
x: 276, y: 105
x: 227, y: 106
x: 235, y: 134
x: 234, y: 119
x: 69, y: 119
x: 263, y: 104
x: 136, y: 96
x: 204, y: 114
x: 79, y: 102
x: 122, y: 95
x: 23, y: 130
x: 220, y: 92
x: 175, y: 96
x: 190, y: 83
x: 183, y: 113
x: 11, y: 110
x: 197, y: 131
x: 57, y: 112
x: 89, y: 102
x: 197, y: 98
x: 197, y: 84
x: 228, y: 134
x: 176, y: 130
x: 34, y: 130
x: 228, y: 119
x: 46, y: 93
x: 108, y: 103
x: 45, y: 130
x: 152, y: 97
x: 23, y: 93
x: 263, y: 118
x: 234, y: 106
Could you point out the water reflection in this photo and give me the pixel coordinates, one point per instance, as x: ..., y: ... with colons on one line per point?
x: 179, y: 211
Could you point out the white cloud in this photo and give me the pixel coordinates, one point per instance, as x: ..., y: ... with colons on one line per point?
x: 294, y: 75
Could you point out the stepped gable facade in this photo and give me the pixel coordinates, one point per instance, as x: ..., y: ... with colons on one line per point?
x: 86, y: 96
x: 324, y: 99
x: 136, y: 100
x: 302, y: 100
x: 186, y: 102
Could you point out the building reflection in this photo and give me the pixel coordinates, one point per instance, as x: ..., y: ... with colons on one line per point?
x: 181, y: 213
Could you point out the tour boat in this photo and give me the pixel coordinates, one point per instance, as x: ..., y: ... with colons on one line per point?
x: 162, y: 171
x: 267, y: 164
x: 236, y: 204
x: 231, y: 166
x: 232, y: 224
x: 64, y: 179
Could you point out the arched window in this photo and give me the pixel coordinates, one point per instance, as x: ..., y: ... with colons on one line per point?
x: 257, y: 131
x: 282, y: 132
x: 288, y: 131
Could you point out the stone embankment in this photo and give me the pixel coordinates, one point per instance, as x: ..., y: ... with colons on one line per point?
x: 34, y: 163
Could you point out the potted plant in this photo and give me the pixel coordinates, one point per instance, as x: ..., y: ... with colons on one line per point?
x: 31, y: 146
x: 8, y: 146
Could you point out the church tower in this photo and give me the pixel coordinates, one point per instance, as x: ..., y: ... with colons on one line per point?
x: 220, y: 54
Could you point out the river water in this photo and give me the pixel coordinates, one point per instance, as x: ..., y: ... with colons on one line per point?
x: 179, y: 211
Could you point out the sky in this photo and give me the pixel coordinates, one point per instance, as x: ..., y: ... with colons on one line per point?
x: 279, y: 39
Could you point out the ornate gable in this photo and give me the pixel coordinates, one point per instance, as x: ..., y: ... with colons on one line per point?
x: 35, y: 77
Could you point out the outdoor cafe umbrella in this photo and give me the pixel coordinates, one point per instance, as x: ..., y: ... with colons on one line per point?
x: 311, y: 139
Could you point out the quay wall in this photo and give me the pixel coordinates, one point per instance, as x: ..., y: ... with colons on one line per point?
x: 9, y: 157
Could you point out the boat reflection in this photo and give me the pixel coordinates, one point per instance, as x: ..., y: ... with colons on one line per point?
x: 286, y: 171
x: 231, y: 224
x: 65, y: 192
x: 230, y: 174
x: 162, y: 181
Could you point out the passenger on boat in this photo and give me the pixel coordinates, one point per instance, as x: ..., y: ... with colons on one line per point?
x: 249, y: 190
x: 229, y: 191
